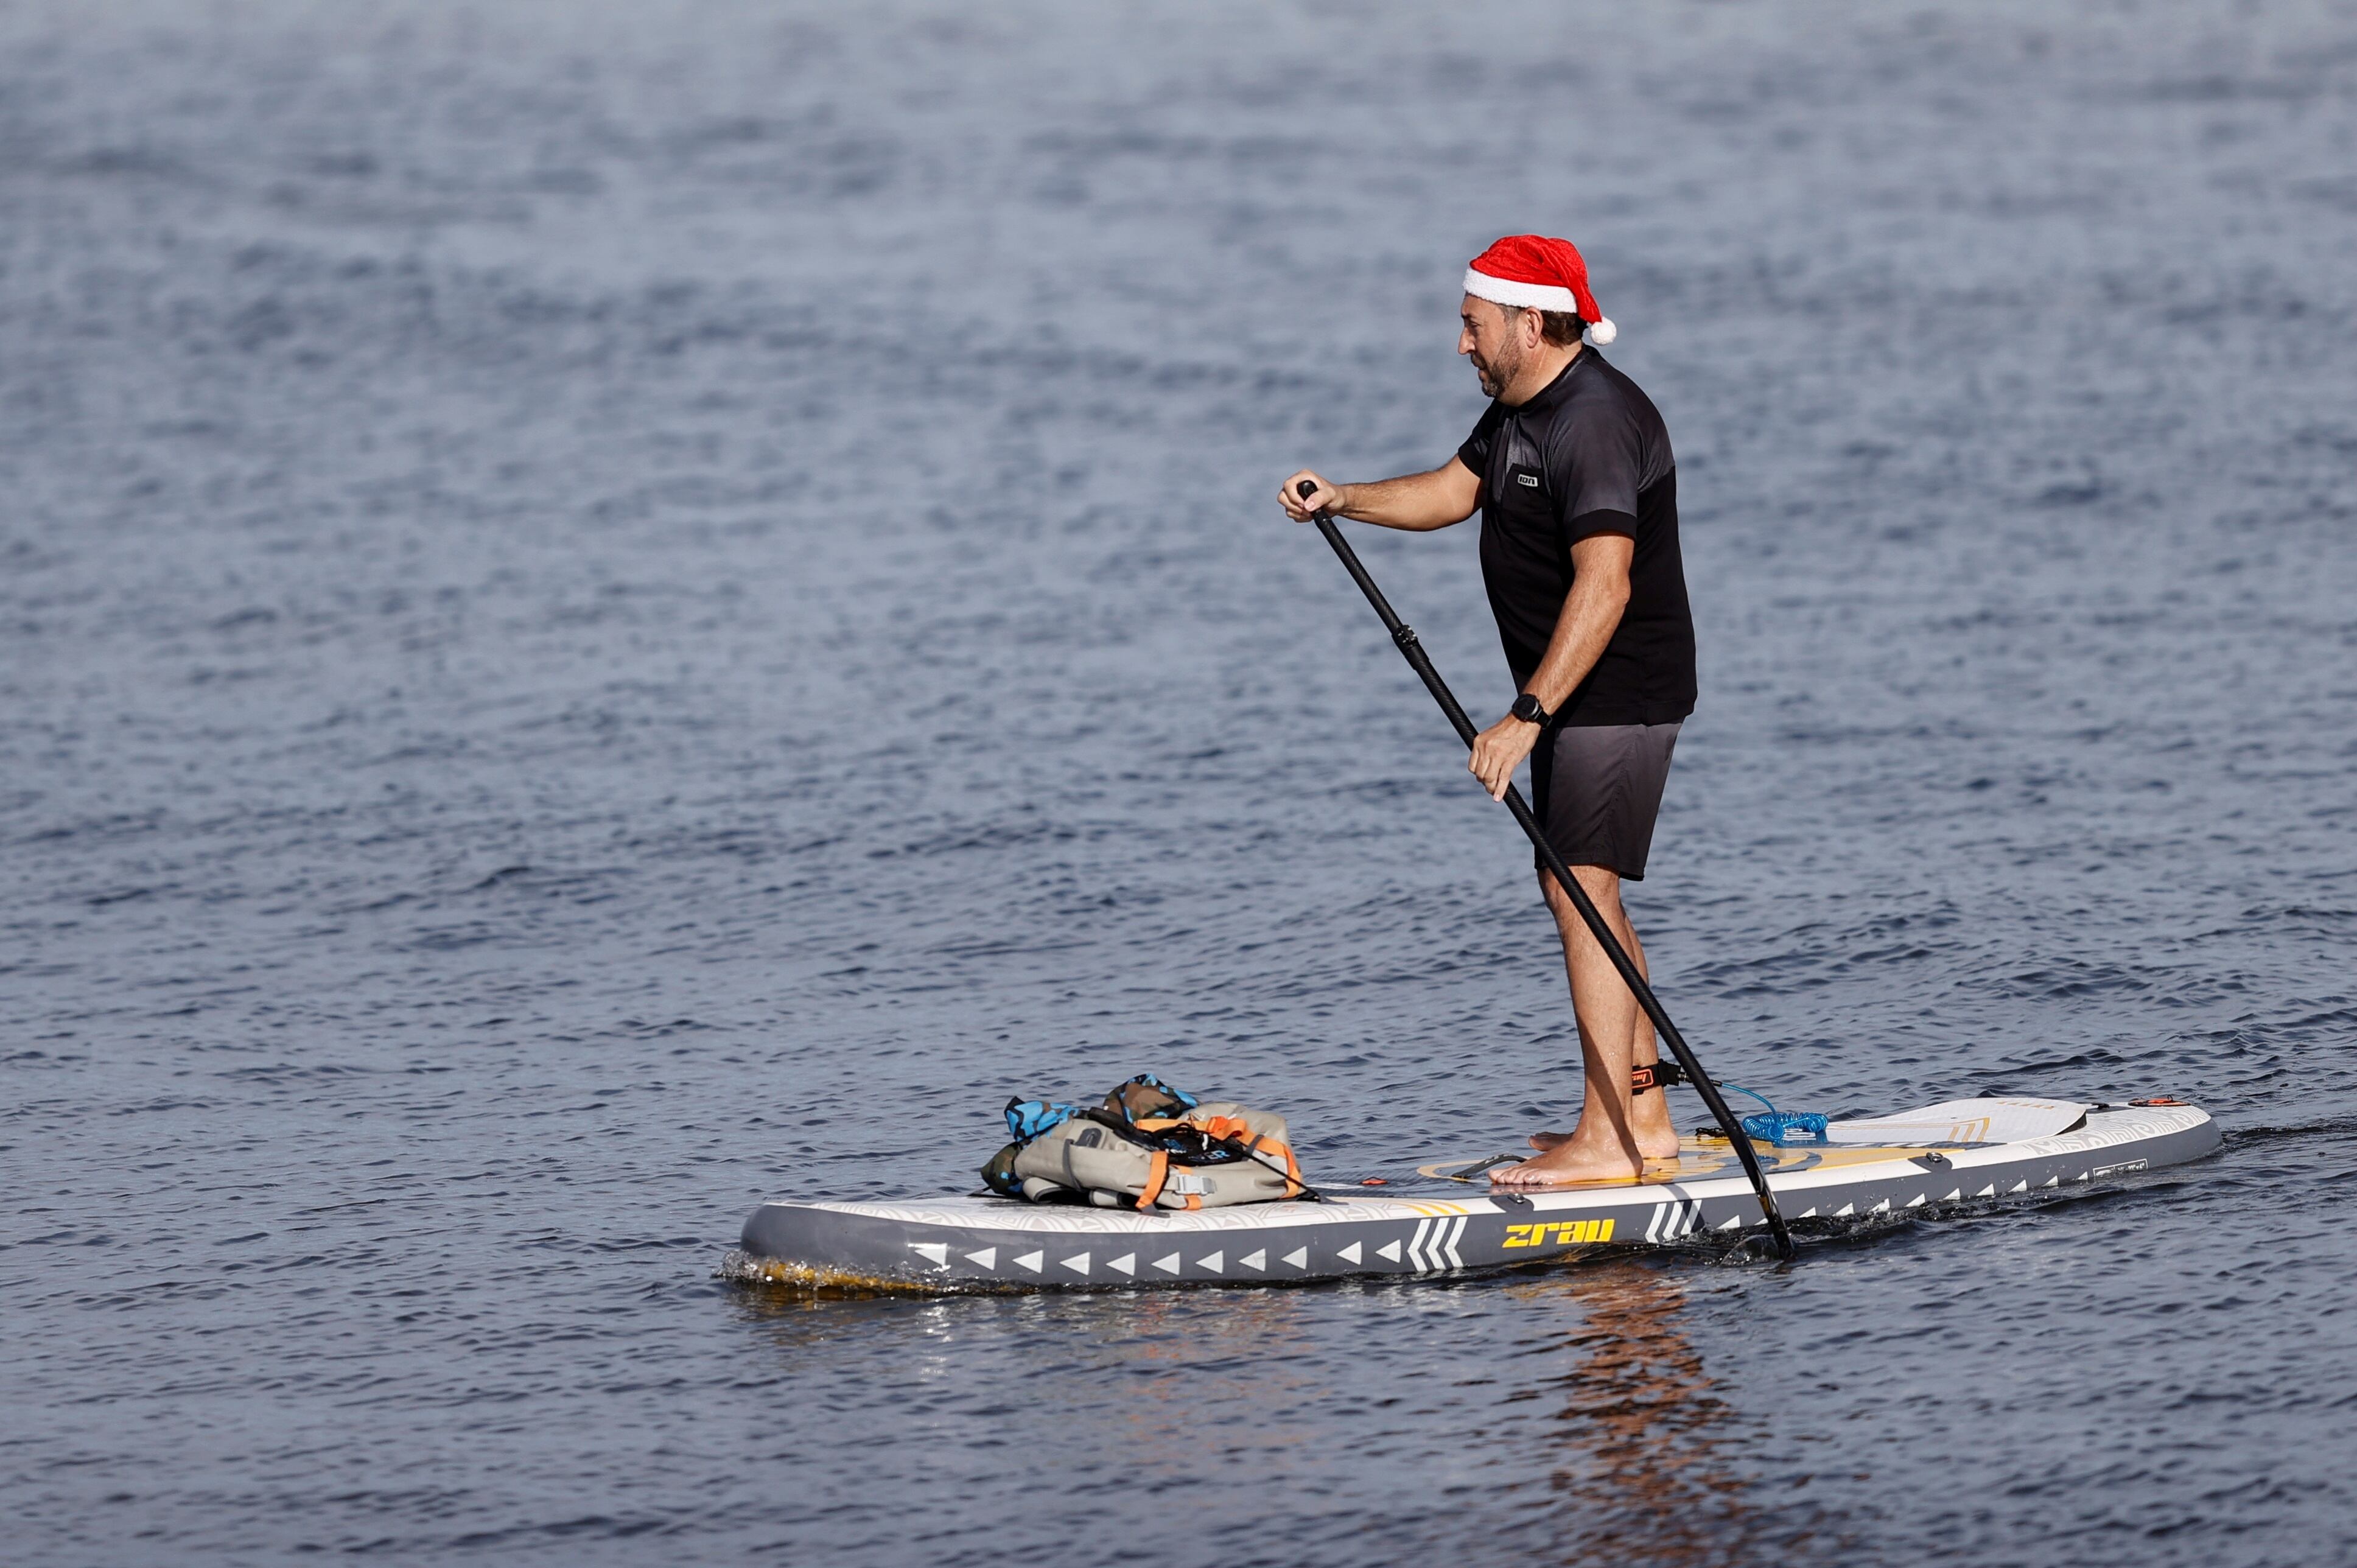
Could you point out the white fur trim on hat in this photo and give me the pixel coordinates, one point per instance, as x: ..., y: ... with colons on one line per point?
x: 1599, y: 332
x: 1521, y: 295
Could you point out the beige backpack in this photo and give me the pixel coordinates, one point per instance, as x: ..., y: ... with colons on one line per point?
x: 1146, y: 1147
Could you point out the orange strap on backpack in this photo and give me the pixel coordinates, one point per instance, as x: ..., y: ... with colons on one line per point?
x: 1254, y: 1143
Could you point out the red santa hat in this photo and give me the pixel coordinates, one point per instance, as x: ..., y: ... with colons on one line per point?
x: 1534, y: 271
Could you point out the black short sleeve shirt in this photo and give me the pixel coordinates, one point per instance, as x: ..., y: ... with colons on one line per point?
x: 1587, y: 456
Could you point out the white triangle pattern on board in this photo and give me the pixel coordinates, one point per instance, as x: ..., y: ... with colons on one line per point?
x: 937, y: 1253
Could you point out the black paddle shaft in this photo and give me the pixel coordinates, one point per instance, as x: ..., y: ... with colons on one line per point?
x: 1421, y: 663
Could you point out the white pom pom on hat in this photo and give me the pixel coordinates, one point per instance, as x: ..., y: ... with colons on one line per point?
x: 1533, y: 272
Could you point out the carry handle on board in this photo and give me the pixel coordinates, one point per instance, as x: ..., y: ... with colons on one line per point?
x: 1421, y: 663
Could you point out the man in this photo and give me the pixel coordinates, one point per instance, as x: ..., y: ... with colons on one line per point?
x: 1570, y: 467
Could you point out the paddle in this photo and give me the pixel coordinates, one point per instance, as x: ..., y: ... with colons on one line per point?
x: 1421, y: 663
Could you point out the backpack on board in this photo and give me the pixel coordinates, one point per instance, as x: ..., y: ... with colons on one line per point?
x: 1145, y: 1145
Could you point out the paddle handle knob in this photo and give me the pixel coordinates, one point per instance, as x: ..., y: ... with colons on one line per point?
x: 1306, y: 489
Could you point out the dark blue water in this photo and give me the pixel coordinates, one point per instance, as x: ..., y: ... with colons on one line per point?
x: 607, y: 611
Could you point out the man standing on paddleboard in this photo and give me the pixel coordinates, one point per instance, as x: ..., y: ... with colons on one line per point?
x: 1570, y: 468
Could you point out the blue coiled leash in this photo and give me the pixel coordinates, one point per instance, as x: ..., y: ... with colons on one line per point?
x: 1782, y: 1128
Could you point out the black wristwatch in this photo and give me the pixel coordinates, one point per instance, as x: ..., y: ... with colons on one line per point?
x: 1527, y: 708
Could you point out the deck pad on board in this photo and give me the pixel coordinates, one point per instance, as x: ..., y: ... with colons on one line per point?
x: 1697, y: 1158
x: 1993, y: 1119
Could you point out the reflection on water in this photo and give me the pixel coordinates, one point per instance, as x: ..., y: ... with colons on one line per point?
x: 1565, y: 1412
x: 1643, y: 1442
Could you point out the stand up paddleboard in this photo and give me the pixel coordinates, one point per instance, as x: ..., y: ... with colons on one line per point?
x: 1445, y: 1219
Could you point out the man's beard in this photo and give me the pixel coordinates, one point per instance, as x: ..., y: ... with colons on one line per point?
x: 1500, y: 373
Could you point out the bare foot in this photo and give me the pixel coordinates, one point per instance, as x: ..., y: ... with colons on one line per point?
x: 1656, y: 1139
x: 1649, y: 1119
x: 1570, y: 1161
x: 1654, y: 1142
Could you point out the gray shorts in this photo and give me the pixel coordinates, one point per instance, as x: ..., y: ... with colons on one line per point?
x: 1597, y: 789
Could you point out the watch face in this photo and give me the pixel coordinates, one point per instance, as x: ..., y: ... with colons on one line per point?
x: 1527, y: 709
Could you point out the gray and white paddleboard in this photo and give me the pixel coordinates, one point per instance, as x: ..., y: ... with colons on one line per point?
x: 1961, y: 1152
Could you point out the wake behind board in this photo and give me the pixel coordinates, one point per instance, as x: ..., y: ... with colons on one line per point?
x: 1455, y: 1226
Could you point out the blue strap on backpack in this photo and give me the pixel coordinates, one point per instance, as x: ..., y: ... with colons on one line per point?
x: 1180, y: 1095
x: 1027, y: 1119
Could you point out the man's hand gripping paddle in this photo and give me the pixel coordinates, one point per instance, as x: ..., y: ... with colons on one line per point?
x: 1421, y: 663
